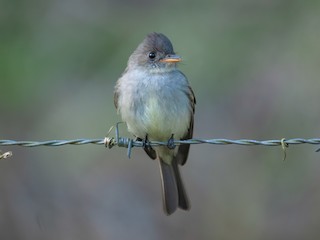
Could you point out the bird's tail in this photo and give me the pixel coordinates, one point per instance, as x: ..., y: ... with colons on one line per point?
x: 183, y: 202
x: 173, y: 192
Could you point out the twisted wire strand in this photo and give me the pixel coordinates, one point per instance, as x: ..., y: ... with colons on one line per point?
x: 125, y: 142
x: 51, y: 143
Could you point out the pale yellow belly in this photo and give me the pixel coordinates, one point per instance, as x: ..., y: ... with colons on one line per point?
x: 163, y: 121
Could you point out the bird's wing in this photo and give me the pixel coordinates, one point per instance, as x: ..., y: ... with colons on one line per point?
x: 183, y: 151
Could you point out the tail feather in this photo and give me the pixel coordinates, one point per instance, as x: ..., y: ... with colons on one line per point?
x: 173, y: 191
x: 169, y: 188
x: 183, y: 202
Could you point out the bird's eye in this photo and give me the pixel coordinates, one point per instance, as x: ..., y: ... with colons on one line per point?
x: 152, y: 55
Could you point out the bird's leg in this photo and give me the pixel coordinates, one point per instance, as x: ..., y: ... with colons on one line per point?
x: 147, y: 147
x: 145, y: 142
x: 170, y: 143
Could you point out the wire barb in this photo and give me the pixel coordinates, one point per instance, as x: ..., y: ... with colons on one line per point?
x: 121, y: 142
x: 5, y: 155
x: 109, y: 142
x: 284, y: 146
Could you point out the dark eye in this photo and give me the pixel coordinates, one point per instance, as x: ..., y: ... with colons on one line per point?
x: 152, y: 55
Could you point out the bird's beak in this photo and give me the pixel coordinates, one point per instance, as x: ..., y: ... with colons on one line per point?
x: 171, y: 58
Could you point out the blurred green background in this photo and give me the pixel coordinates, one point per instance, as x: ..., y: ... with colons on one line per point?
x: 254, y: 67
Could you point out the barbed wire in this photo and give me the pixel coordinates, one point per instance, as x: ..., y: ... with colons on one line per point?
x: 129, y: 143
x: 125, y: 142
x: 110, y: 142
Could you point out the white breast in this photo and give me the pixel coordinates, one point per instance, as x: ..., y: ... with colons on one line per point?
x: 158, y: 106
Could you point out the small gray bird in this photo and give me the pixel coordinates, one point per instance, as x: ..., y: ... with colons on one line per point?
x: 157, y: 103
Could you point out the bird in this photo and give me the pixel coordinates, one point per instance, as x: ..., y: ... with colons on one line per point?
x: 157, y: 103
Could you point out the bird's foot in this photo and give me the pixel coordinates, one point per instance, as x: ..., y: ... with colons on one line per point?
x: 146, y: 145
x: 170, y: 143
x: 145, y: 142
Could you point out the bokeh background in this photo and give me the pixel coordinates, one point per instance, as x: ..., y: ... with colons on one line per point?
x: 254, y: 67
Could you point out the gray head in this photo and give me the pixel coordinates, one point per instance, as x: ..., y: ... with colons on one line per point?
x: 155, y: 52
